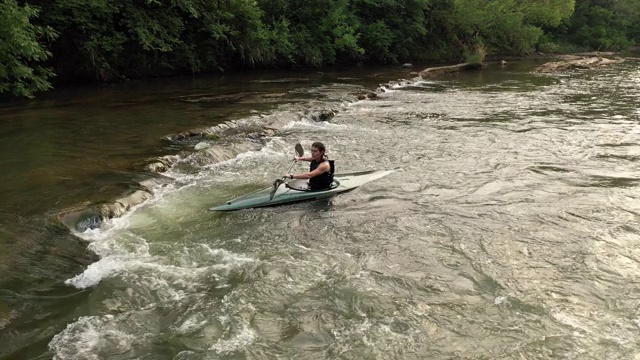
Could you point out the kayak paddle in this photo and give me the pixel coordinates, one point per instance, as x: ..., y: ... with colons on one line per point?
x: 280, y: 181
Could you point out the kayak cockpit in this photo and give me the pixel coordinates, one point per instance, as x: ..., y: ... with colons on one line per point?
x: 303, y: 185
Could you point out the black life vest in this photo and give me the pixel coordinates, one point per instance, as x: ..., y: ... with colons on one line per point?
x: 324, y: 180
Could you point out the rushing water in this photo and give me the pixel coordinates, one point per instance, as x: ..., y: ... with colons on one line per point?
x: 509, y: 229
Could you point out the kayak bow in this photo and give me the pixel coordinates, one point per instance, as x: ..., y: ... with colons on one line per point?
x: 286, y: 194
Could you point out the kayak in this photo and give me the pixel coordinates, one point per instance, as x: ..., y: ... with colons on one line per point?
x: 296, y: 191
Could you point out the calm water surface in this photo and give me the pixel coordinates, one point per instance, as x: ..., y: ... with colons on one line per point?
x: 510, y: 228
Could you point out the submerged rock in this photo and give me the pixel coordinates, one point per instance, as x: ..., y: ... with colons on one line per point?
x: 162, y: 164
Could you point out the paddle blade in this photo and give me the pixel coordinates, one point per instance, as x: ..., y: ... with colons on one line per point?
x: 276, y: 185
x: 299, y: 150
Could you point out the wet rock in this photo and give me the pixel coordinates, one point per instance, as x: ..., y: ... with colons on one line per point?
x: 82, y: 221
x: 186, y: 136
x: 323, y: 115
x: 595, y: 53
x: 155, y: 182
x: 579, y: 63
x: 369, y: 95
x: 569, y: 57
x: 407, y: 66
x: 268, y: 131
x: 162, y: 164
x: 219, y: 154
x: 156, y: 167
x: 92, y: 217
x: 120, y: 206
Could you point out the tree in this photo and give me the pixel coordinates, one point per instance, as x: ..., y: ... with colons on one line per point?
x: 513, y: 26
x: 22, y: 52
x: 602, y: 24
x: 392, y: 30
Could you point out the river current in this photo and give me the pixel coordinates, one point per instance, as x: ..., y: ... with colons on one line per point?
x: 509, y: 229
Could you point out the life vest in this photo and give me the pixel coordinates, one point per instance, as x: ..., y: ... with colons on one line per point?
x: 324, y: 180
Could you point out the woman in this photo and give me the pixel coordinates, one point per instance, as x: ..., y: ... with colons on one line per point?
x: 320, y: 173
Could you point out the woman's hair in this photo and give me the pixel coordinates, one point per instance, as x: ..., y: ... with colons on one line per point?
x: 320, y: 146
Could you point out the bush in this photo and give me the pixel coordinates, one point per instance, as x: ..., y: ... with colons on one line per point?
x: 548, y: 47
x: 477, y: 54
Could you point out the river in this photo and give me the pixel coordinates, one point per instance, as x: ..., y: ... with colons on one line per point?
x: 509, y: 229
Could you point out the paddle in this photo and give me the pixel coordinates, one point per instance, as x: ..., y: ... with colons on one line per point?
x: 278, y: 182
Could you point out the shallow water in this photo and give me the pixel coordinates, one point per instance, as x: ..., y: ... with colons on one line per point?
x: 509, y: 229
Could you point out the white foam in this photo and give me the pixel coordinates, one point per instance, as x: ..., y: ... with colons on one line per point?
x: 122, y: 251
x: 201, y: 145
x: 111, y: 266
x: 85, y: 338
x: 228, y: 257
x: 241, y: 340
x: 97, y: 271
x: 274, y: 149
x: 500, y: 300
x: 310, y: 124
x: 192, y: 324
x: 185, y: 355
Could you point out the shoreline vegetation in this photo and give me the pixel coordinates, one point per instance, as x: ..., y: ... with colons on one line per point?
x: 48, y: 43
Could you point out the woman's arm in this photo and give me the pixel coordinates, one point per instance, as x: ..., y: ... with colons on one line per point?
x: 303, y: 158
x: 323, y: 168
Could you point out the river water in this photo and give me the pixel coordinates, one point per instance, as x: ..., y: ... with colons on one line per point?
x: 510, y: 228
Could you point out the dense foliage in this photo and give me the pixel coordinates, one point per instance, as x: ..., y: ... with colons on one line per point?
x: 104, y: 40
x: 22, y: 51
x: 602, y: 24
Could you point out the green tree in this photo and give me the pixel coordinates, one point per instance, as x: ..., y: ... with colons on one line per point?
x: 108, y: 40
x: 508, y: 26
x: 22, y: 52
x: 313, y: 32
x: 602, y: 24
x: 393, y: 30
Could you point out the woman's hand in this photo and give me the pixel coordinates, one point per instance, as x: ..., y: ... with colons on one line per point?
x: 297, y: 158
x: 288, y: 176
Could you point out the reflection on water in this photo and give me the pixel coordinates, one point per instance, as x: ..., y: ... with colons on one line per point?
x: 509, y: 230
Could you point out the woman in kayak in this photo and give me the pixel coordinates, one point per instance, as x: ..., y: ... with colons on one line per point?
x: 321, y: 170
